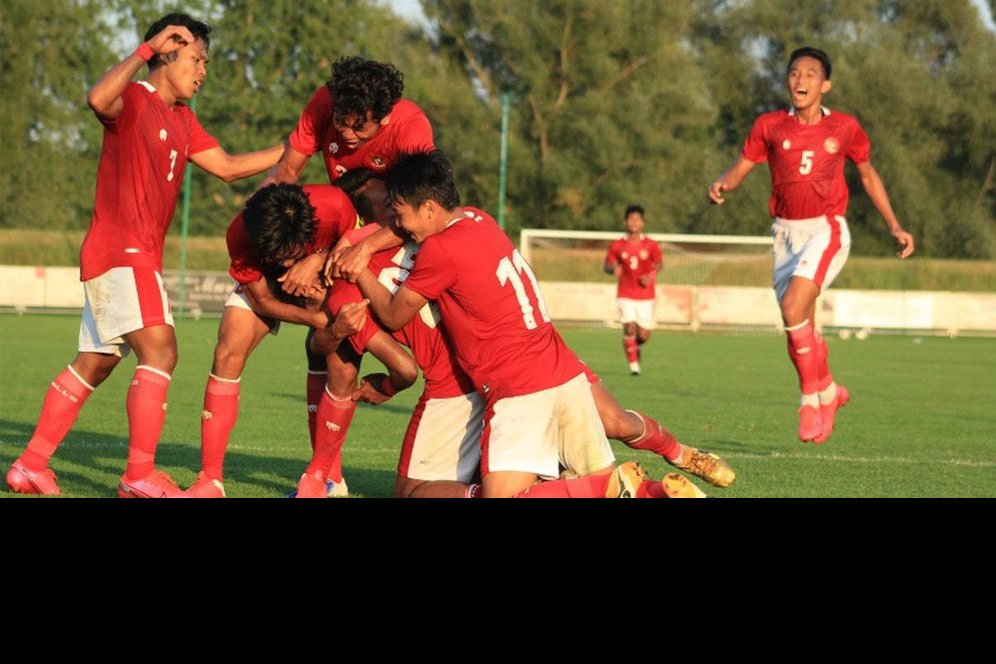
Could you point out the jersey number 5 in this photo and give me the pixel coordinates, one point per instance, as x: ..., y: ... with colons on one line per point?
x: 806, y: 167
x: 509, y: 270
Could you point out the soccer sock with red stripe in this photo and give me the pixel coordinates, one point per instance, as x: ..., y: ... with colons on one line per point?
x: 146, y: 405
x: 65, y: 397
x: 315, y: 389
x: 632, y: 351
x: 654, y: 438
x: 802, y: 352
x: 334, y: 416
x: 221, y: 408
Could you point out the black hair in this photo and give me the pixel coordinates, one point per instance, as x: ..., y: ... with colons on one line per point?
x: 279, y: 220
x: 359, y: 85
x: 422, y: 176
x: 810, y: 52
x: 198, y: 29
x: 353, y: 182
x: 630, y: 209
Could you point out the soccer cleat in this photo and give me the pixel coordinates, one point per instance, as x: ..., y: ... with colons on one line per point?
x: 828, y: 413
x: 625, y: 480
x: 332, y: 490
x: 156, y: 484
x: 677, y: 485
x: 634, y: 368
x: 204, y: 487
x: 703, y: 463
x: 810, y: 423
x: 311, y: 485
x: 22, y: 479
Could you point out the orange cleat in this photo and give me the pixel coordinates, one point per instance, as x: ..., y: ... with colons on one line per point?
x: 204, y: 487
x: 311, y: 485
x: 810, y: 423
x: 828, y: 413
x: 22, y: 479
x: 156, y: 484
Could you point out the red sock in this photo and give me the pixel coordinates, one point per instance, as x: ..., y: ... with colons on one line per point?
x: 822, y: 368
x: 334, y: 417
x: 802, y: 352
x: 315, y: 388
x: 63, y: 401
x: 632, y: 351
x: 589, y: 486
x: 654, y: 438
x: 221, y: 408
x: 146, y: 405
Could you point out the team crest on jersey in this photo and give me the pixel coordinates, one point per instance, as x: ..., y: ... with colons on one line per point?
x: 162, y: 134
x: 333, y: 148
x: 831, y: 145
x: 786, y: 144
x: 378, y: 161
x: 643, y: 254
x: 625, y: 255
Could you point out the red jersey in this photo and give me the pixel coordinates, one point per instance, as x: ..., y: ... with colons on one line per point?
x: 635, y: 259
x: 423, y: 334
x: 492, y: 307
x: 807, y: 161
x: 334, y: 217
x: 141, y: 168
x: 408, y: 130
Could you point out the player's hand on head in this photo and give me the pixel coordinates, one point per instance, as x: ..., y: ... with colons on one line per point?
x: 171, y: 38
x: 904, y: 243
x: 303, y: 277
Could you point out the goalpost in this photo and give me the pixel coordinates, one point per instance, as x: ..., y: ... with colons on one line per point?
x: 720, y: 282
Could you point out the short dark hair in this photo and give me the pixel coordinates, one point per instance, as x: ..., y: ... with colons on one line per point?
x: 630, y: 209
x: 422, y: 176
x: 198, y: 29
x: 279, y: 220
x: 359, y: 85
x: 810, y: 52
x: 353, y: 182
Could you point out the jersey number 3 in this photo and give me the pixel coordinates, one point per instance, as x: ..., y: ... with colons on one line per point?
x: 510, y: 270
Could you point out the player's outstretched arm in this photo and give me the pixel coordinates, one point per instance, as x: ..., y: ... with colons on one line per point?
x: 232, y: 167
x: 104, y: 98
x: 729, y: 180
x: 393, y: 312
x: 875, y: 189
x: 288, y: 168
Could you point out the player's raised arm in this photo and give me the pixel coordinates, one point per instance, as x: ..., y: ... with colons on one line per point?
x: 880, y: 199
x: 104, y: 98
x: 729, y: 180
x: 288, y: 168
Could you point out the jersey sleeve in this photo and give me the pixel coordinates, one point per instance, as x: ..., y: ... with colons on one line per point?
x: 415, y: 134
x: 435, y: 270
x: 656, y: 257
x: 756, y: 145
x: 133, y: 98
x: 859, y: 151
x: 610, y: 255
x: 335, y: 213
x: 306, y: 135
x: 244, y: 267
x: 199, y: 140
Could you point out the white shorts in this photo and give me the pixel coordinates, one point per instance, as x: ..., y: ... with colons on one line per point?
x: 119, y: 301
x: 640, y: 312
x: 815, y: 249
x: 237, y: 298
x: 539, y: 432
x: 443, y: 441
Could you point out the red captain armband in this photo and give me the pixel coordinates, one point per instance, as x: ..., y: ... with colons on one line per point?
x: 144, y: 51
x: 386, y: 388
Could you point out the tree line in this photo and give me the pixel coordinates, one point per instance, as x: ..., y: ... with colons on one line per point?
x: 610, y: 102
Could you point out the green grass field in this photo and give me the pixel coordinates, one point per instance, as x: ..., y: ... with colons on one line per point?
x: 921, y: 421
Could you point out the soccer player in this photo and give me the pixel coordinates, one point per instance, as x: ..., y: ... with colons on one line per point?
x: 149, y: 136
x: 540, y: 411
x: 635, y: 259
x: 636, y: 430
x: 358, y: 119
x: 279, y: 226
x: 805, y: 147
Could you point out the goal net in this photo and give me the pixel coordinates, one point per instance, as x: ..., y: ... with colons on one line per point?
x: 707, y: 281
